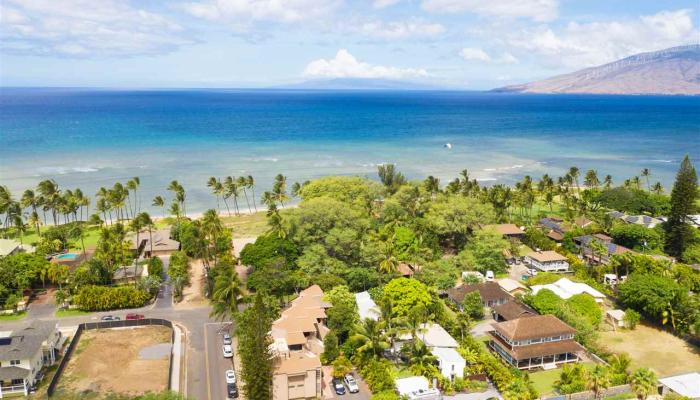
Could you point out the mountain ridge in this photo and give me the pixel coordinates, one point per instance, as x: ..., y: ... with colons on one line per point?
x: 672, y: 71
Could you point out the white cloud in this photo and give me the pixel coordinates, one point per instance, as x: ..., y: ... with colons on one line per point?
x: 477, y: 54
x: 584, y: 45
x: 413, y: 28
x: 345, y: 65
x: 247, y: 11
x: 85, y: 28
x: 538, y: 10
x: 384, y: 3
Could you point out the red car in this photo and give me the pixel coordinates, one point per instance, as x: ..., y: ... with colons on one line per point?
x: 134, y: 316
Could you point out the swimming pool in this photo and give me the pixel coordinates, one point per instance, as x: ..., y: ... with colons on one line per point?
x: 67, y: 256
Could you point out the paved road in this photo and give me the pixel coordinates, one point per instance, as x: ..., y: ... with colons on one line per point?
x: 216, y: 364
x: 165, y: 294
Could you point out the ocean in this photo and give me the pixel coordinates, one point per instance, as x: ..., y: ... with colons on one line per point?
x: 91, y: 138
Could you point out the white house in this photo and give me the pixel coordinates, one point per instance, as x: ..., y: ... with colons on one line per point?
x: 23, y: 354
x: 416, y: 388
x: 444, y: 348
x: 566, y: 288
x: 687, y: 385
x: 366, y: 307
x: 547, y: 261
x: 450, y: 363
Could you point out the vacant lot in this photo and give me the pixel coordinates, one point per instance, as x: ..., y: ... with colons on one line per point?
x: 654, y: 348
x: 126, y: 361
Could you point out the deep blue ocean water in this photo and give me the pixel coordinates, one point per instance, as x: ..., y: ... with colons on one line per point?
x: 91, y: 138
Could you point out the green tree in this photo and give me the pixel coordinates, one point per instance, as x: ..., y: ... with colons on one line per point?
x: 421, y: 360
x: 572, y: 379
x: 631, y: 318
x: 341, y: 367
x: 343, y: 315
x: 370, y: 337
x: 683, y: 197
x: 227, y: 292
x: 473, y: 305
x: 253, y: 326
x: 598, y: 380
x: 330, y: 348
x: 390, y: 177
x: 453, y: 217
x: 404, y: 294
x: 643, y: 382
x: 484, y: 252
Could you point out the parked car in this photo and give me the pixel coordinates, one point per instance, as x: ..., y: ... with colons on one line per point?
x: 227, y: 338
x: 132, y: 317
x: 110, y: 318
x: 228, y: 351
x: 489, y: 276
x: 338, y: 386
x: 532, y: 272
x: 351, y: 383
x: 230, y: 376
x: 232, y: 391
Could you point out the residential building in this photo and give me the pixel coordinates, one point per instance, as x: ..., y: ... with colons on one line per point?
x: 154, y: 243
x: 443, y: 346
x: 9, y: 247
x: 416, y: 388
x: 616, y: 318
x: 511, y: 310
x: 540, y: 341
x: 588, y: 252
x: 129, y: 273
x: 565, y: 288
x: 686, y: 385
x: 366, y: 307
x: 512, y: 287
x: 297, y: 343
x: 490, y: 292
x: 24, y: 353
x: 583, y: 222
x: 554, y: 227
x: 547, y: 261
x: 407, y: 270
x: 644, y: 220
x: 507, y: 230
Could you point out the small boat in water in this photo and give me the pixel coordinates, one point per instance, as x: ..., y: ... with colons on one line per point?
x: 448, y: 146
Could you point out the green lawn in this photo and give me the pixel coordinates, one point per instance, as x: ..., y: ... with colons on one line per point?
x: 71, y: 313
x: 544, y: 380
x: 247, y: 225
x: 13, y: 317
x: 402, y: 372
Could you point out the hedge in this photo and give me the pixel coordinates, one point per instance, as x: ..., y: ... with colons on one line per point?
x: 102, y: 298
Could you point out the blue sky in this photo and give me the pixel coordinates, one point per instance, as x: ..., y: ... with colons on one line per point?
x: 474, y: 44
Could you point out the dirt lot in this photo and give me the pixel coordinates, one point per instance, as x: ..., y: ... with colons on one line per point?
x: 653, y: 348
x: 119, y: 361
x: 193, y: 295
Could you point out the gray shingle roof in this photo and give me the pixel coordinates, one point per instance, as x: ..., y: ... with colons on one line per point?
x: 10, y: 373
x: 26, y: 341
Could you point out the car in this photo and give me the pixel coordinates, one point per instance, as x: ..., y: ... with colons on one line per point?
x: 489, y: 276
x: 228, y: 351
x: 232, y: 390
x: 132, y: 317
x: 338, y: 386
x: 230, y: 376
x: 532, y: 272
x: 351, y: 383
x: 227, y: 338
x: 110, y: 318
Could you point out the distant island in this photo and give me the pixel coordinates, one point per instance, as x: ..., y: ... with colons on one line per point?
x: 673, y: 71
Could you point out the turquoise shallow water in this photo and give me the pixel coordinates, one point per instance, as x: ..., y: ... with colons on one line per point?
x: 90, y: 138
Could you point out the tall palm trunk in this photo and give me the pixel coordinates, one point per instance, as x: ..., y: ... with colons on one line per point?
x: 246, y: 199
x: 254, y: 203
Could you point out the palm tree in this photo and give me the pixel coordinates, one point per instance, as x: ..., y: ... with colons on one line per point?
x: 212, y: 229
x: 636, y: 182
x: 591, y: 180
x: 657, y: 188
x: 226, y: 293
x: 413, y: 323
x: 179, y: 193
x: 646, y: 173
x: 643, y: 382
x: 598, y: 380
x: 369, y: 333
x: 48, y: 190
x: 464, y: 323
x: 619, y: 365
x: 296, y: 188
x: 232, y: 190
x: 35, y: 221
x: 432, y: 185
x: 159, y: 201
x: 607, y: 182
x: 243, y: 183
x: 279, y: 189
x: 574, y: 174
x: 175, y: 210
x: 250, y: 184
x: 147, y: 222
x: 389, y: 263
x: 422, y: 360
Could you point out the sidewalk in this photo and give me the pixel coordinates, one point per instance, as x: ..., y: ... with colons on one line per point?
x: 176, y: 376
x: 237, y: 367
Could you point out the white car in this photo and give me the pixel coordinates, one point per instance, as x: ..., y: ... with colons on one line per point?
x: 227, y: 338
x: 228, y: 351
x: 230, y: 376
x: 351, y: 383
x: 532, y: 272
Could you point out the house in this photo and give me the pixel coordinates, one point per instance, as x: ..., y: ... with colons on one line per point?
x: 644, y: 220
x: 547, y: 261
x: 511, y: 310
x: 507, y: 230
x: 565, y: 288
x: 443, y: 346
x: 24, y: 353
x: 154, y: 243
x: 416, y: 388
x: 583, y: 222
x: 297, y: 343
x: 512, y: 287
x: 490, y: 292
x: 407, y: 270
x: 366, y: 307
x: 9, y: 247
x: 554, y: 227
x: 129, y: 273
x: 616, y: 318
x: 540, y: 341
x: 585, y: 246
x: 686, y: 385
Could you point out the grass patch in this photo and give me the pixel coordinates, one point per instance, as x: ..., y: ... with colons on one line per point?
x: 13, y: 317
x: 247, y: 225
x: 543, y: 381
x: 71, y: 313
x: 402, y: 371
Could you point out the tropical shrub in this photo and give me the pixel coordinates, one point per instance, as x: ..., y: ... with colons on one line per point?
x: 103, y: 298
x: 631, y: 318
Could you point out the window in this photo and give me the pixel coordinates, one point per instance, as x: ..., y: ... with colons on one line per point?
x: 15, y: 362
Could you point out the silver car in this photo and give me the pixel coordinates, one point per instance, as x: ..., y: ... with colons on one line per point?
x: 351, y: 383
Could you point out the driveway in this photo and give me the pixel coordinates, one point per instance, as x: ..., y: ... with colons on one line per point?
x: 329, y: 392
x: 517, y: 271
x: 482, y: 327
x: 165, y: 293
x: 489, y: 393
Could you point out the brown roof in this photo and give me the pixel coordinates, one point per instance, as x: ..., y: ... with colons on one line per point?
x: 297, y: 363
x: 489, y: 291
x: 506, y: 229
x: 537, y: 326
x: 556, y: 236
x: 603, y: 237
x: 540, y: 349
x: 513, y: 310
x: 546, y: 256
x: 302, y: 315
x: 582, y: 222
x: 407, y: 269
